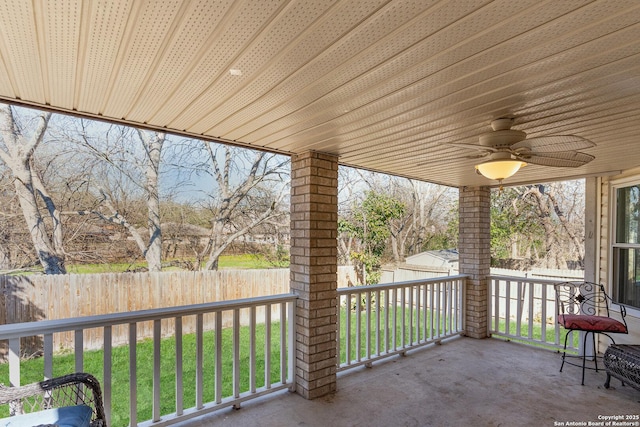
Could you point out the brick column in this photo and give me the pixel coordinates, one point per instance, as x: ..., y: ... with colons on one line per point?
x: 314, y: 249
x: 474, y: 247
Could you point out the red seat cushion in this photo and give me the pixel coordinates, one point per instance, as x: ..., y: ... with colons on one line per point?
x: 581, y: 322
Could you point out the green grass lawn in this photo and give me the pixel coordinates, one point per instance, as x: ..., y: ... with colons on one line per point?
x: 243, y: 261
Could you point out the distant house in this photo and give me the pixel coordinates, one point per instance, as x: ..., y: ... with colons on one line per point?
x: 424, y: 265
x: 444, y: 258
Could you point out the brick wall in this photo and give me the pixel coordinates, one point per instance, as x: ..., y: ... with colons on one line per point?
x: 314, y: 250
x: 474, y: 248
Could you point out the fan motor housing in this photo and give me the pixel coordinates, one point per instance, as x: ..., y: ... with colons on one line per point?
x: 502, y: 138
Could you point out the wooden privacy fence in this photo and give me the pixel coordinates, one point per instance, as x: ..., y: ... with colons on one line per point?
x: 40, y: 297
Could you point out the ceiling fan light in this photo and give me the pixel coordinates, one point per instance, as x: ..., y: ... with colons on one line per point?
x: 499, y: 169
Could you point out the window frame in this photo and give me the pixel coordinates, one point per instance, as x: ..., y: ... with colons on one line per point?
x: 614, y: 186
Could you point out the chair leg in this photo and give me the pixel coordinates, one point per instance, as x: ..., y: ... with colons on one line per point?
x: 595, y: 351
x: 584, y: 353
x: 564, y: 351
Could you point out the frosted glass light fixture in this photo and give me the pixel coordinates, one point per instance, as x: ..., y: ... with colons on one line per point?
x: 501, y: 166
x: 500, y: 169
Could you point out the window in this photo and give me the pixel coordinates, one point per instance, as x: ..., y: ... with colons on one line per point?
x: 626, y: 246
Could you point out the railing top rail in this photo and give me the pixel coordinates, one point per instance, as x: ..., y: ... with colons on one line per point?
x: 396, y: 285
x: 17, y: 330
x: 527, y: 279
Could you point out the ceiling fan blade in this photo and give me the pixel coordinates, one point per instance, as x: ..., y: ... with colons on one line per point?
x: 553, y: 144
x: 444, y: 158
x: 562, y: 159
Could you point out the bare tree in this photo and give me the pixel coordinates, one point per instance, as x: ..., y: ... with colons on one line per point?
x: 538, y: 225
x: 120, y: 172
x: 18, y: 152
x: 244, y: 190
x: 561, y: 219
x: 241, y: 205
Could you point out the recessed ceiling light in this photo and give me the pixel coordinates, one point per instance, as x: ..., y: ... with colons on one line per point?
x: 235, y: 72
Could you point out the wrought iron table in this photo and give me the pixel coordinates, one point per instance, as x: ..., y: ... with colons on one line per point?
x: 623, y: 362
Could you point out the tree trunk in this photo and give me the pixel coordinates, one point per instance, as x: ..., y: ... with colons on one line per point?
x: 5, y: 255
x: 153, y: 145
x: 216, y: 245
x: 52, y: 262
x: 19, y: 157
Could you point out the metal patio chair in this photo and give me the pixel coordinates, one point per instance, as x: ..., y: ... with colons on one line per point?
x: 584, y: 306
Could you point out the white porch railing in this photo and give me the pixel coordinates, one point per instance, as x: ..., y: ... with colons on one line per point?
x: 276, y: 312
x: 378, y: 321
x: 524, y: 309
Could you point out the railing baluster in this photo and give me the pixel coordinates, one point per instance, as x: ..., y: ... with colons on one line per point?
x: 236, y: 353
x: 14, y: 362
x: 157, y: 336
x: 411, y: 310
x: 347, y: 335
x: 543, y: 316
x: 446, y: 326
x: 291, y: 321
x: 507, y: 320
x: 179, y: 370
x: 107, y: 372
x: 425, y: 309
x: 368, y: 325
x: 404, y: 317
x: 48, y: 355
x: 218, y: 373
x: 432, y: 311
x: 462, y: 293
x: 456, y: 301
x: 358, y: 326
x: 252, y: 349
x: 531, y: 316
x: 496, y: 304
x: 338, y: 328
x: 520, y: 289
x: 267, y: 346
x: 416, y: 337
x: 283, y: 343
x: 377, y: 323
x: 78, y: 349
x: 199, y: 359
x: 438, y: 309
x: 133, y: 375
x: 386, y: 321
x: 452, y: 303
x: 557, y: 327
x: 395, y: 319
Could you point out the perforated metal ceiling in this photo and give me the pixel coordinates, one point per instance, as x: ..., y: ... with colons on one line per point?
x: 385, y: 85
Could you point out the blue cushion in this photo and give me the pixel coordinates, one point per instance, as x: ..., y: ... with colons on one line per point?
x: 67, y: 416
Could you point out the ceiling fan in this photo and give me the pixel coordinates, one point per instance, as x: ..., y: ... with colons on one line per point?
x: 508, y: 150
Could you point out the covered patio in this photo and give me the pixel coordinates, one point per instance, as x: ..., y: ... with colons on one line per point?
x: 461, y: 382
x: 396, y: 86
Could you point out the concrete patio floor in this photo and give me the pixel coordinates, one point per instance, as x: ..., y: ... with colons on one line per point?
x: 461, y: 382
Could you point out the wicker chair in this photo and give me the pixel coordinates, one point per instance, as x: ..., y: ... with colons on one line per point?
x: 584, y: 306
x: 66, y: 391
